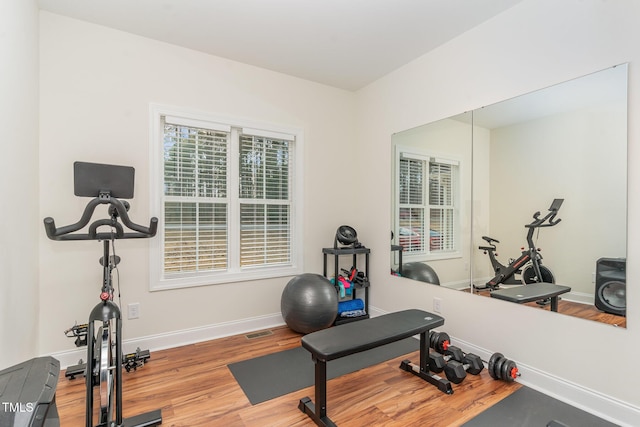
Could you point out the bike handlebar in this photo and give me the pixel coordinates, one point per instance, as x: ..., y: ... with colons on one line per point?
x: 67, y: 232
x: 548, y: 218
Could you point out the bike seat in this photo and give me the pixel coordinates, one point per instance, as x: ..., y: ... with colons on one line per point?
x: 490, y: 240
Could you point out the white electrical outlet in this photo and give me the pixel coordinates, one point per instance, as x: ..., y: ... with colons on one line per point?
x: 134, y: 310
x: 437, y: 305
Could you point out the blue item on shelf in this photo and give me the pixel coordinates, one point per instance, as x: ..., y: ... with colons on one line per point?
x: 350, y: 305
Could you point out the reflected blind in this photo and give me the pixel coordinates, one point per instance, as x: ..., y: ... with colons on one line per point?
x: 442, y: 198
x: 412, y: 207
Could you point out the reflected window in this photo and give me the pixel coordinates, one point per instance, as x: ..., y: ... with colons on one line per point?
x: 427, y: 203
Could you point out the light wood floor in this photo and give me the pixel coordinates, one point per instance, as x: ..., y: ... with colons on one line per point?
x: 193, y: 387
x: 583, y: 311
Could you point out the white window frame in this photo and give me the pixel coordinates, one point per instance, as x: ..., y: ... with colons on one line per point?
x: 233, y: 272
x: 427, y: 156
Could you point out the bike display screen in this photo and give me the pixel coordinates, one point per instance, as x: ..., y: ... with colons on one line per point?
x: 91, y: 179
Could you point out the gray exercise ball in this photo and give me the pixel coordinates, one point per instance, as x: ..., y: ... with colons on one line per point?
x: 309, y: 303
x: 420, y: 271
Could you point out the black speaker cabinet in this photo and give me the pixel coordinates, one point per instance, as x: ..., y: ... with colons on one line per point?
x: 611, y: 287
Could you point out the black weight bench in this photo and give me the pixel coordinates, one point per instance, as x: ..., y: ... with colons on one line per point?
x: 532, y: 292
x: 343, y: 340
x: 28, y: 394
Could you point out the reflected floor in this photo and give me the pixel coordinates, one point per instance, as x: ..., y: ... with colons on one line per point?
x: 575, y: 309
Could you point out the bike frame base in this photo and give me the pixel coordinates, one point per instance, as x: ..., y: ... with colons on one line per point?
x: 148, y: 419
x: 104, y: 312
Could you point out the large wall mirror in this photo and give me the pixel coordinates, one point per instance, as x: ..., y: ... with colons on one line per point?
x: 486, y: 172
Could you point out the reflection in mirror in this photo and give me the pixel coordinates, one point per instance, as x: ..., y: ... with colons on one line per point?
x: 431, y: 239
x: 565, y: 142
x: 569, y: 142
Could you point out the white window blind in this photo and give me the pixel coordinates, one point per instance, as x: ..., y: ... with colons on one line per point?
x: 227, y: 193
x: 195, y: 199
x: 265, y: 200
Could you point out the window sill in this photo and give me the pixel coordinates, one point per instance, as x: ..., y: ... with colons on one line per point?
x: 222, y: 277
x: 431, y: 257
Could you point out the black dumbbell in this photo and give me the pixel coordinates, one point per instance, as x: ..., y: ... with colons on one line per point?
x: 439, y: 341
x: 438, y: 361
x: 457, y: 371
x: 443, y: 351
x: 501, y: 368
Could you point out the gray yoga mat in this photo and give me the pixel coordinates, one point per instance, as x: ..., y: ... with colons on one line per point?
x: 267, y: 377
x: 528, y: 408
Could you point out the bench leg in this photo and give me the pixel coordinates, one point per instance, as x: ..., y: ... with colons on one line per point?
x: 318, y: 412
x: 554, y: 303
x: 422, y: 370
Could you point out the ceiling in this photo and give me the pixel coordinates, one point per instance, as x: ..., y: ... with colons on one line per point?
x: 341, y: 43
x: 591, y: 91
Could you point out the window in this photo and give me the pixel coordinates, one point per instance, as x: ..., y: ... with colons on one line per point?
x: 426, y: 205
x: 227, y: 193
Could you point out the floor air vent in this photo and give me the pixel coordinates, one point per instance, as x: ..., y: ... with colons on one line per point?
x: 259, y: 334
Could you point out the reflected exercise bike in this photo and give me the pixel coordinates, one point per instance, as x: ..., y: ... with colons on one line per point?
x: 529, y: 263
x: 106, y: 184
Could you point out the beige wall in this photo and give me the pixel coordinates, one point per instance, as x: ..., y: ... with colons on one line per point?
x: 532, y: 45
x: 96, y: 87
x: 18, y: 181
x: 571, y: 156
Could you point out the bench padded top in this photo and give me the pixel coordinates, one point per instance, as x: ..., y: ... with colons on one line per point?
x: 362, y: 335
x: 530, y: 293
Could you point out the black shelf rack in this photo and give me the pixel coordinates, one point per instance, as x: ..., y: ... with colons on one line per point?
x: 357, y: 287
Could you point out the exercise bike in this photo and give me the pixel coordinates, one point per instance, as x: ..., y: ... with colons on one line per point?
x: 529, y: 263
x: 106, y: 184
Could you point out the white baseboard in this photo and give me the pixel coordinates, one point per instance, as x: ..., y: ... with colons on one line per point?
x: 181, y: 337
x: 458, y: 285
x: 580, y: 297
x: 591, y: 401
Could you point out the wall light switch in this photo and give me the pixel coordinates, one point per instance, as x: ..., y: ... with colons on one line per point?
x: 437, y: 305
x: 134, y: 310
